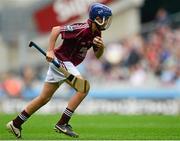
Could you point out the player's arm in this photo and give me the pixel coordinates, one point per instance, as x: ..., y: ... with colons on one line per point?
x: 99, y: 47
x: 52, y: 41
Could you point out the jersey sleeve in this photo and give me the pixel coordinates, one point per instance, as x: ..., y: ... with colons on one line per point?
x: 68, y: 32
x: 73, y: 31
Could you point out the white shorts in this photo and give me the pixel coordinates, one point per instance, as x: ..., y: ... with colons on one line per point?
x: 53, y: 74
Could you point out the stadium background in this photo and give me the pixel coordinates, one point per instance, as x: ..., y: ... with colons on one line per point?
x: 138, y: 74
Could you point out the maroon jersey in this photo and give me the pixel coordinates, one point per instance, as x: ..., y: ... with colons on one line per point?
x: 77, y: 39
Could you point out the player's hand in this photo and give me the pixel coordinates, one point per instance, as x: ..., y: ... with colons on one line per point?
x: 50, y: 56
x: 98, y: 42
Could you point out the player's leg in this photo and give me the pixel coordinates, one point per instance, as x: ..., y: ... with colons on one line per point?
x: 76, y: 99
x: 62, y: 125
x: 52, y: 82
x: 43, y: 98
x: 48, y: 90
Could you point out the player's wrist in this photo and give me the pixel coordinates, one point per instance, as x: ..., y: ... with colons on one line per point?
x: 50, y: 50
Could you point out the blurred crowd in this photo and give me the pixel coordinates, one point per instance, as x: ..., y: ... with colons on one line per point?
x: 148, y: 59
x: 140, y: 58
x: 24, y: 83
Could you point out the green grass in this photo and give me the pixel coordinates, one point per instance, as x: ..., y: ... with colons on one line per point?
x: 99, y: 127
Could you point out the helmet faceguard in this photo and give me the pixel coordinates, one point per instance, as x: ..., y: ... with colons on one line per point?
x: 101, y: 15
x: 104, y: 24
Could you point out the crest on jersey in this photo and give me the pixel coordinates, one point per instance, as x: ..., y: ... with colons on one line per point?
x: 69, y: 28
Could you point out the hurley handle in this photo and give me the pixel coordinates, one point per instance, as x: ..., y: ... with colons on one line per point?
x: 32, y: 44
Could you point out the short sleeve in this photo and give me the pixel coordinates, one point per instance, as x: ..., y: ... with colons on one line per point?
x: 69, y: 32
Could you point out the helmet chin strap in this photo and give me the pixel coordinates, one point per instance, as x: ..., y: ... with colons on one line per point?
x: 99, y: 25
x: 103, y: 20
x: 100, y: 28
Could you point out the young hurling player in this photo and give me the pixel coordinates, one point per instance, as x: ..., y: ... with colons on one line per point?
x: 77, y: 38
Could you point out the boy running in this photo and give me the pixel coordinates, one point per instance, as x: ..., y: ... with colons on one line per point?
x: 77, y: 38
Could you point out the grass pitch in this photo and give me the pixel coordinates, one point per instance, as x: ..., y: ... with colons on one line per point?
x: 99, y: 127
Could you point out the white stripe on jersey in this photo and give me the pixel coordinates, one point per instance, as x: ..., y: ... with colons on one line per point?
x: 74, y: 27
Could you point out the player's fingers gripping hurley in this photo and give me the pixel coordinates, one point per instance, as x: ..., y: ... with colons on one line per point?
x: 50, y: 56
